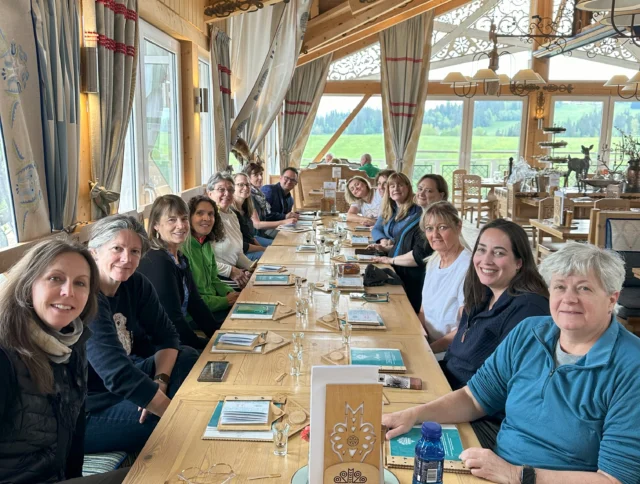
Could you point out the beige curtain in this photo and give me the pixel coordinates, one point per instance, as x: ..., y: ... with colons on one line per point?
x: 21, y: 124
x: 405, y: 54
x: 221, y: 84
x: 264, y: 101
x: 113, y: 27
x: 305, y: 91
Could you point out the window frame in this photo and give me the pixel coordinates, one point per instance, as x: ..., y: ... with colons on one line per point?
x: 207, y: 166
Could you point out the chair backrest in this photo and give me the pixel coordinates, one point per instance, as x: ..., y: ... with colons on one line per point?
x: 620, y: 231
x: 545, y: 208
x: 192, y: 192
x: 457, y: 179
x: 614, y: 204
x: 313, y: 177
x: 471, y: 186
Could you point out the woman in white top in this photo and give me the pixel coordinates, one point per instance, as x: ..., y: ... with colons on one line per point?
x: 442, y: 293
x: 231, y: 261
x: 364, y: 200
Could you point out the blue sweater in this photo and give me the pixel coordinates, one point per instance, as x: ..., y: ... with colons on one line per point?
x: 581, y: 417
x: 130, y: 324
x: 281, y: 203
x: 393, y: 229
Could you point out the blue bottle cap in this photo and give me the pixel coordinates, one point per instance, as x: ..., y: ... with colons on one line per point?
x: 431, y: 430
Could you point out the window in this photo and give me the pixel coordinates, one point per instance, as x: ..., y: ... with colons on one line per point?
x: 495, y: 136
x: 128, y: 189
x: 363, y: 135
x: 158, y: 108
x: 626, y: 117
x: 440, y: 139
x: 8, y: 233
x: 583, y: 120
x: 206, y: 127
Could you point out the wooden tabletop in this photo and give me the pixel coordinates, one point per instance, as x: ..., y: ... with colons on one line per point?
x: 177, y: 441
x: 490, y: 183
x: 578, y: 231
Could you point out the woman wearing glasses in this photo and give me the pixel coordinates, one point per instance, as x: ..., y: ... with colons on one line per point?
x: 262, y: 219
x: 233, y: 265
x: 253, y: 245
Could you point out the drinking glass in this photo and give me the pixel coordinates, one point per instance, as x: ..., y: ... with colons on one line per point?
x: 307, y: 238
x: 280, y: 438
x: 295, y: 359
x: 335, y: 299
x: 334, y: 272
x: 298, y: 283
x: 340, y: 270
x: 298, y: 339
x: 312, y: 291
x: 320, y: 246
x: 302, y: 307
x: 346, y: 333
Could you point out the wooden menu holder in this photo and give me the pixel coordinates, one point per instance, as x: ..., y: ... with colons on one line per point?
x: 353, y: 443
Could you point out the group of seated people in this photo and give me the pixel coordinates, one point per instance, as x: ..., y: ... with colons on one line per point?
x: 366, y: 164
x: 94, y: 342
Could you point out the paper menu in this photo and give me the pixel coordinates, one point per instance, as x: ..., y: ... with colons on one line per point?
x: 237, y: 339
x: 245, y: 412
x: 356, y: 315
x: 269, y: 268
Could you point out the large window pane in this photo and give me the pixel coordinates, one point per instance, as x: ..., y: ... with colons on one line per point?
x: 440, y: 139
x: 583, y: 120
x: 206, y: 136
x: 128, y: 199
x: 364, y: 134
x: 161, y: 119
x: 496, y: 136
x: 626, y: 117
x: 7, y: 223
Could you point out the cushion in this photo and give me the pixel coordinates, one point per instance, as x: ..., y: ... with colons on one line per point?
x: 623, y: 234
x: 625, y: 313
x: 631, y: 260
x: 101, y: 463
x: 630, y: 298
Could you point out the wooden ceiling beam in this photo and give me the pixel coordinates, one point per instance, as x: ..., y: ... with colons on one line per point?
x: 368, y: 32
x: 265, y: 3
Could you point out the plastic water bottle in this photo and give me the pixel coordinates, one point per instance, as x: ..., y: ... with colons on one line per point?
x: 429, y: 460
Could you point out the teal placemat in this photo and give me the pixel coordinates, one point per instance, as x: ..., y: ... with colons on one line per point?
x: 405, y: 445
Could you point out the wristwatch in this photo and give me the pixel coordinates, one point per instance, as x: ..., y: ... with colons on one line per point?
x: 162, y: 377
x: 528, y: 475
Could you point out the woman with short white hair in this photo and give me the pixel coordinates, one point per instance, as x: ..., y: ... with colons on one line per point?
x: 567, y: 383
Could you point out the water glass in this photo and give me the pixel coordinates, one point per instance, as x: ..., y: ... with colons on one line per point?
x: 346, y: 333
x: 335, y: 299
x: 280, y: 438
x: 334, y: 271
x: 312, y: 291
x: 298, y: 339
x: 320, y: 246
x: 295, y: 359
x: 340, y: 270
x: 298, y: 283
x: 302, y: 307
x: 308, y: 238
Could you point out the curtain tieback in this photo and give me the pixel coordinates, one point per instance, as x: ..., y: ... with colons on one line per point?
x: 102, y: 197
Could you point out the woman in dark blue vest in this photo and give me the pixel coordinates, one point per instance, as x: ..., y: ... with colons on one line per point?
x: 47, y: 297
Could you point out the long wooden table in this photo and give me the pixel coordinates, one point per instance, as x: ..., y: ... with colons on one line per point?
x: 176, y: 443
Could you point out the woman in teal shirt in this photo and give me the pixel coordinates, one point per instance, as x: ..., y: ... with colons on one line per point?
x: 206, y: 228
x: 567, y: 383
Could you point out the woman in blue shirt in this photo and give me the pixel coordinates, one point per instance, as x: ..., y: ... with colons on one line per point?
x: 567, y: 384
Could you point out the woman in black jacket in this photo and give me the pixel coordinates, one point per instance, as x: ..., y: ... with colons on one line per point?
x: 168, y: 270
x: 47, y: 297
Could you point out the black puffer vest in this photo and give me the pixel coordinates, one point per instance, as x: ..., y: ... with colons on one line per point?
x: 36, y: 434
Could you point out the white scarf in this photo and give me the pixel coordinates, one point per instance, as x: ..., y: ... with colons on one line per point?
x: 57, y: 345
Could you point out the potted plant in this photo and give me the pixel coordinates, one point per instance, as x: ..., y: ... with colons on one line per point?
x: 629, y: 149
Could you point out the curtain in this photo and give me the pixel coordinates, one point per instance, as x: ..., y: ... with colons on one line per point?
x: 405, y: 52
x: 112, y: 26
x: 265, y: 99
x: 221, y: 84
x: 20, y: 120
x: 305, y: 91
x: 58, y: 45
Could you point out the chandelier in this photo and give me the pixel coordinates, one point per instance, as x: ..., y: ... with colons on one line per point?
x: 622, y: 15
x: 489, y: 82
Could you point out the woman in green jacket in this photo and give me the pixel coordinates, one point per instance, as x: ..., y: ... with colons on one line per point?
x: 206, y: 228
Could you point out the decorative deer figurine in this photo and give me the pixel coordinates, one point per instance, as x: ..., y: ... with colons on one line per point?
x: 580, y: 166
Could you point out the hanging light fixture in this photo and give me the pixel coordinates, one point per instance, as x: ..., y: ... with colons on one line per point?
x: 623, y: 16
x: 625, y: 85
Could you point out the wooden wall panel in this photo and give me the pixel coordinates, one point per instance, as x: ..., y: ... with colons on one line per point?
x: 190, y: 10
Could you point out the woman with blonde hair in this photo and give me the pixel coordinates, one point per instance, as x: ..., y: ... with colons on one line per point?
x: 396, y: 231
x: 253, y: 246
x: 364, y: 201
x: 48, y: 297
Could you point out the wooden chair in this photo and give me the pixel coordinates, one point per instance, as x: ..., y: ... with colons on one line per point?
x: 456, y: 188
x: 615, y: 204
x: 472, y: 198
x: 620, y: 231
x: 544, y: 247
x: 192, y: 192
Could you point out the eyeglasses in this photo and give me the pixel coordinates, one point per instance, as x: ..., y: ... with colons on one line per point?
x: 243, y: 185
x: 216, y: 474
x: 222, y: 190
x: 290, y: 180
